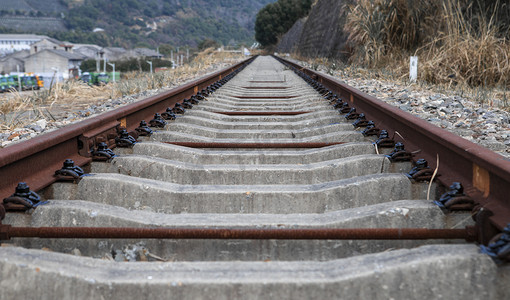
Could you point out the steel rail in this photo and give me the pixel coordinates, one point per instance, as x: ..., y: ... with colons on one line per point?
x: 35, y: 161
x: 484, y: 173
x: 7, y: 232
x: 253, y: 145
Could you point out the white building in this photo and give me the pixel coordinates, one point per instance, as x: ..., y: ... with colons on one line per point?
x: 10, y: 43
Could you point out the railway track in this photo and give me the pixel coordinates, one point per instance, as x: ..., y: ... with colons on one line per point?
x: 271, y: 185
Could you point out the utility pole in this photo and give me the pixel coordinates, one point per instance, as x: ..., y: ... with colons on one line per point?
x: 187, y: 54
x: 99, y: 54
x: 113, y: 73
x: 150, y: 63
x: 19, y: 78
x: 104, y: 65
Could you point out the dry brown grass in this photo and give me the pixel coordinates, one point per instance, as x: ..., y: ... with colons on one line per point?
x: 477, y: 57
x: 451, y: 49
x: 382, y: 30
x: 136, y: 82
x: 18, y: 109
x: 493, y: 97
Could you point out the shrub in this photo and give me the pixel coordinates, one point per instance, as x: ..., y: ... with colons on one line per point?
x: 456, y: 40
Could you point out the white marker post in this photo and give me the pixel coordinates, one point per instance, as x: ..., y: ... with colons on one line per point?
x: 413, y: 69
x: 19, y: 78
x: 150, y: 63
x: 113, y: 72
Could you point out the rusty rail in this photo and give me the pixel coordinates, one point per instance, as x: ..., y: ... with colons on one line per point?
x: 35, y: 161
x: 484, y: 174
x: 253, y: 145
x: 7, y: 232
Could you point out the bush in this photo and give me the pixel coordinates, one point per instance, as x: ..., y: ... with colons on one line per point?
x: 208, y: 43
x: 455, y: 40
x: 277, y: 18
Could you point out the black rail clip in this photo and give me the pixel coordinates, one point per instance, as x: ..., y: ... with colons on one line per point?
x: 499, y: 247
x: 421, y: 171
x: 345, y: 108
x: 384, y: 140
x: 361, y: 121
x: 338, y: 103
x: 157, y: 121
x: 178, y: 109
x: 330, y: 96
x: 334, y: 99
x: 102, y: 152
x: 186, y: 103
x: 2, y: 214
x: 352, y: 115
x: 69, y: 171
x: 370, y: 130
x: 143, y: 129
x: 455, y: 199
x: 194, y: 100
x: 200, y: 96
x: 399, y: 153
x: 124, y: 140
x: 168, y: 114
x: 22, y: 199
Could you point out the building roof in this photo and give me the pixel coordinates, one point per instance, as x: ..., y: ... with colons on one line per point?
x: 68, y: 55
x: 4, y: 59
x: 147, y: 52
x: 115, y: 49
x: 78, y: 46
x: 17, y: 54
x: 87, y: 51
x: 52, y: 40
x: 22, y: 37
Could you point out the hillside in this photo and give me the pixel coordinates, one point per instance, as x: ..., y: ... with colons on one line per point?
x: 458, y: 42
x: 129, y: 23
x: 321, y: 33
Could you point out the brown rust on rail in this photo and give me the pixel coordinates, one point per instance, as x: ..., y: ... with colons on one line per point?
x: 467, y: 233
x: 261, y: 113
x: 252, y: 145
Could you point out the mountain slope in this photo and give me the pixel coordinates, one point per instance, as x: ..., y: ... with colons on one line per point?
x: 145, y: 22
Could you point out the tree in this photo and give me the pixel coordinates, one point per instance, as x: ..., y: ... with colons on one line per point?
x: 208, y: 43
x: 277, y: 18
x: 166, y: 49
